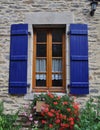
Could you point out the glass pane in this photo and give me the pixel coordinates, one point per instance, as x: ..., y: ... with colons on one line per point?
x: 56, y: 79
x: 41, y: 65
x: 56, y: 65
x: 57, y: 50
x: 57, y: 35
x: 40, y: 79
x: 41, y: 36
x: 41, y: 50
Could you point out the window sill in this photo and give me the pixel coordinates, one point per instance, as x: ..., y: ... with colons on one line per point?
x: 30, y: 96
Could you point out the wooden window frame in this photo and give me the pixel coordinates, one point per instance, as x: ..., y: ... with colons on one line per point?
x: 49, y: 63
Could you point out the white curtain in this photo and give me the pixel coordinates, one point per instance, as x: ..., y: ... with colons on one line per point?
x: 41, y: 67
x: 56, y: 76
x: 41, y: 76
x: 56, y: 67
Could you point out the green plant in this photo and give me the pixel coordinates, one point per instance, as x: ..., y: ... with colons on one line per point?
x: 7, y: 121
x: 89, y: 117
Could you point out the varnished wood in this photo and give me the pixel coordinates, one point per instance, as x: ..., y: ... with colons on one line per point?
x: 49, y: 64
x: 50, y: 58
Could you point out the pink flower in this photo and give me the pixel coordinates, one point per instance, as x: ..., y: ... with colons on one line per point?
x: 24, y: 113
x: 30, y: 117
x: 36, y: 122
x: 34, y: 107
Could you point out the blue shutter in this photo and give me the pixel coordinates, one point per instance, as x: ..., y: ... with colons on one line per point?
x: 18, y: 59
x: 79, y: 59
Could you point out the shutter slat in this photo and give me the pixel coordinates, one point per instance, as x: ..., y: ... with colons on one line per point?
x: 19, y: 32
x: 79, y: 58
x: 23, y: 57
x: 79, y: 83
x: 79, y: 32
x: 18, y: 84
x: 18, y: 59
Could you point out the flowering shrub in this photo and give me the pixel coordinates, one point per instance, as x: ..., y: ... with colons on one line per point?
x: 58, y: 113
x: 62, y: 113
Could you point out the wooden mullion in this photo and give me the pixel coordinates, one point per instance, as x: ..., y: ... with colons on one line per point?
x: 41, y: 43
x: 56, y: 72
x: 40, y: 72
x: 57, y: 58
x: 50, y: 59
x: 56, y: 42
x: 41, y: 57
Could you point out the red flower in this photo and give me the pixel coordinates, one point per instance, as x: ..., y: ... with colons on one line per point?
x: 75, y: 105
x: 44, y: 122
x: 68, y: 109
x: 61, y: 116
x: 55, y: 103
x: 58, y: 98
x: 50, y: 126
x: 42, y: 113
x: 65, y: 103
x: 50, y: 95
x: 57, y: 114
x: 52, y: 110
x: 57, y: 121
x: 50, y: 114
x: 64, y: 125
x: 71, y: 121
x: 46, y: 110
x: 64, y: 117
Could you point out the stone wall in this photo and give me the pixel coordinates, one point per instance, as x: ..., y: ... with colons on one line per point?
x: 14, y: 11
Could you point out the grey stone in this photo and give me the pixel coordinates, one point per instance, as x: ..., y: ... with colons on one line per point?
x: 94, y: 91
x: 40, y: 18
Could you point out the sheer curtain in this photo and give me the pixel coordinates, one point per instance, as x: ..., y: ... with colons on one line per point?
x: 56, y: 67
x: 41, y: 67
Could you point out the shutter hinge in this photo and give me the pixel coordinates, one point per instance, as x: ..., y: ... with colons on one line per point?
x: 68, y: 33
x: 29, y: 33
x: 28, y: 85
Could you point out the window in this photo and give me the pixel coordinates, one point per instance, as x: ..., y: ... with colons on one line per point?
x: 49, y: 60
